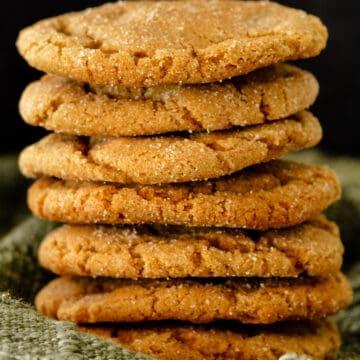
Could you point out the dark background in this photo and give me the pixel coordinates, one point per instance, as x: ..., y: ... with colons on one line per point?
x: 336, y: 69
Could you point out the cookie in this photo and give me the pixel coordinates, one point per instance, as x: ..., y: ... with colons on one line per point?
x: 271, y: 195
x: 316, y: 339
x: 313, y: 248
x: 67, y: 106
x: 167, y: 159
x: 256, y: 300
x: 148, y: 44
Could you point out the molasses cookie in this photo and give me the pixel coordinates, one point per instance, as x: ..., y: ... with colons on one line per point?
x: 72, y: 107
x: 276, y: 194
x: 315, y: 339
x: 248, y: 300
x: 145, y: 43
x: 167, y: 159
x: 313, y: 248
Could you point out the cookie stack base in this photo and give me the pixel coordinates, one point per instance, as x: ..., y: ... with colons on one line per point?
x: 318, y: 339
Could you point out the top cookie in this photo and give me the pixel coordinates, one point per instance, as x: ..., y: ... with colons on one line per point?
x: 156, y: 43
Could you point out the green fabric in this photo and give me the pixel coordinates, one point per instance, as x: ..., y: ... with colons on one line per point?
x: 12, y: 194
x: 25, y: 334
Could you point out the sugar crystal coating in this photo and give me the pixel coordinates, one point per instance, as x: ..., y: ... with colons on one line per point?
x: 155, y: 43
x: 254, y: 301
x: 167, y: 159
x: 71, y: 107
x: 270, y: 195
x: 313, y: 248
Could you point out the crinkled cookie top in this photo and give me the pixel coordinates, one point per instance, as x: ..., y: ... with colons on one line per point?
x: 155, y: 43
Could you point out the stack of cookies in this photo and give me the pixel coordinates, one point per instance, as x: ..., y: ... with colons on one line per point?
x: 185, y: 236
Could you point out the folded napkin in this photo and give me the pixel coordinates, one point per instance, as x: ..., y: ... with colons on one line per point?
x: 25, y: 334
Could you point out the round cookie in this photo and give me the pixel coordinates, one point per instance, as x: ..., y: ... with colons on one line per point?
x: 67, y: 106
x: 148, y: 44
x: 271, y: 195
x: 313, y: 248
x: 167, y: 159
x: 317, y: 339
x: 255, y: 300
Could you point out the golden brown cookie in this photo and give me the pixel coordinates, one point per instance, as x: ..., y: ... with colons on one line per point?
x: 146, y: 43
x: 317, y: 339
x: 271, y: 195
x: 255, y: 300
x: 167, y: 159
x: 67, y: 106
x: 313, y: 248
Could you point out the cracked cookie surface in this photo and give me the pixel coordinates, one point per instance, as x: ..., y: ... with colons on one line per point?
x: 256, y: 300
x: 151, y: 44
x: 318, y: 339
x: 313, y: 248
x: 71, y: 107
x: 167, y: 159
x: 271, y: 195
